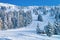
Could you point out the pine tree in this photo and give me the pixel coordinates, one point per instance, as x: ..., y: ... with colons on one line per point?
x: 1, y: 25
x: 56, y: 28
x: 52, y: 11
x: 49, y: 29
x: 35, y: 11
x: 59, y: 29
x: 40, y: 17
x: 45, y: 12
x: 38, y: 29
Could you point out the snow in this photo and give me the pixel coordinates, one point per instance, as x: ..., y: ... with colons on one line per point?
x: 12, y: 7
x: 29, y: 32
x: 6, y: 4
x: 26, y: 34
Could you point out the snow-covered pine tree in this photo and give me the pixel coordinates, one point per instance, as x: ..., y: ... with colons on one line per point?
x: 59, y: 29
x: 56, y: 28
x: 40, y: 17
x: 49, y: 29
x: 38, y: 29
x: 5, y: 21
x: 1, y: 25
x: 29, y: 17
x: 2, y: 17
x: 35, y: 11
x: 52, y: 11
x: 44, y: 12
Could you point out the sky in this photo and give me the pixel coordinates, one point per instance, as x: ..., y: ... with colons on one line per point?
x: 32, y: 2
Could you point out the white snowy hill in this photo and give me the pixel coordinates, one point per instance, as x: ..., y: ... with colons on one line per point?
x: 28, y: 32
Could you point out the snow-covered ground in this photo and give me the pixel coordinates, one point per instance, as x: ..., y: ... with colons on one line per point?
x: 29, y: 32
x: 26, y: 34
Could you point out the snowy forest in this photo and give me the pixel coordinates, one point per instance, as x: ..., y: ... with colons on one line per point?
x: 13, y: 19
x: 41, y: 19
